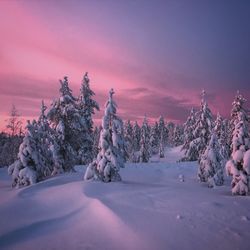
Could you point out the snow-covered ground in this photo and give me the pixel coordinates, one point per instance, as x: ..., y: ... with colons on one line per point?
x: 159, y: 205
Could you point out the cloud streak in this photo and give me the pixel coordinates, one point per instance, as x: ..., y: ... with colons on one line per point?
x: 157, y: 57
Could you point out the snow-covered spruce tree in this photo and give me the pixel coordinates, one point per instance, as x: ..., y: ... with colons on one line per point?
x: 136, y: 136
x: 210, y: 168
x: 69, y: 127
x: 87, y: 108
x: 144, y: 143
x: 161, y: 147
x: 154, y: 139
x: 239, y: 164
x: 23, y: 169
x: 170, y: 128
x: 111, y: 155
x: 128, y: 134
x: 136, y: 139
x: 221, y: 130
x: 163, y: 130
x: 45, y: 140
x: 32, y: 164
x: 237, y: 106
x: 202, y: 132
x: 178, y: 135
x: 188, y: 131
x: 218, y: 125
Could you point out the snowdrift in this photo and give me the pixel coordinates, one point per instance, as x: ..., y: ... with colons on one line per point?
x: 158, y: 205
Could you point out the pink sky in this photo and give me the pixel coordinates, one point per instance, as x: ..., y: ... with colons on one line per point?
x: 38, y: 46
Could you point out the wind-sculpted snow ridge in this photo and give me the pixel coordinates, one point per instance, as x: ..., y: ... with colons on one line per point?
x: 155, y: 206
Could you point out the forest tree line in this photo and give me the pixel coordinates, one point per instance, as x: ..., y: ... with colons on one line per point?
x: 64, y: 135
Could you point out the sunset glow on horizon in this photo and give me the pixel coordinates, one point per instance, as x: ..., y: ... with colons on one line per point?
x: 158, y: 56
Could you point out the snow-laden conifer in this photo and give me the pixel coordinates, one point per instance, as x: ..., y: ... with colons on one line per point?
x: 202, y: 131
x: 178, y: 135
x: 144, y: 143
x: 68, y: 124
x: 218, y: 125
x: 188, y: 130
x: 136, y: 139
x: 154, y: 139
x: 34, y: 161
x: 128, y: 135
x: 170, y: 131
x: 163, y: 131
x: 136, y: 136
x: 210, y: 166
x: 161, y: 147
x: 238, y: 166
x: 111, y: 155
x: 222, y: 132
x: 87, y: 106
x: 44, y: 135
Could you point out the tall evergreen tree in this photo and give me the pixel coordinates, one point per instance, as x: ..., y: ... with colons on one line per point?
x: 128, y: 133
x: 154, y: 139
x: 218, y: 125
x: 188, y: 130
x: 87, y: 108
x: 221, y: 130
x: 163, y: 131
x: 144, y: 143
x: 239, y: 164
x: 111, y: 155
x: 44, y: 135
x: 170, y: 128
x: 202, y: 131
x: 178, y: 135
x: 136, y: 136
x: 161, y: 147
x: 65, y: 118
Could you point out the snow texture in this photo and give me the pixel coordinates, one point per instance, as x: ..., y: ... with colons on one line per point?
x: 149, y: 209
x: 87, y: 107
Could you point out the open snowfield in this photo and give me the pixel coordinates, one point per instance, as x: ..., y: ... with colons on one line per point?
x: 159, y: 205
